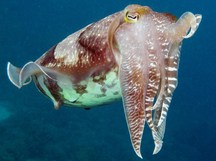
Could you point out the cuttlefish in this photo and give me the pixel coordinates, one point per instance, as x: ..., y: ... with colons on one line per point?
x: 132, y: 54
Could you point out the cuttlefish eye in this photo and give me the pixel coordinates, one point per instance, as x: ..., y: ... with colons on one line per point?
x: 131, y: 17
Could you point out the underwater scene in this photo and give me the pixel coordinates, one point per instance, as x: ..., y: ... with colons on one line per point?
x: 54, y: 118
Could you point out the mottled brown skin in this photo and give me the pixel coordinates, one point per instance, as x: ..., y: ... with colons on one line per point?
x: 100, y: 57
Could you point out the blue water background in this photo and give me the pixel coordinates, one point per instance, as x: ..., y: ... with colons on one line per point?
x: 36, y: 132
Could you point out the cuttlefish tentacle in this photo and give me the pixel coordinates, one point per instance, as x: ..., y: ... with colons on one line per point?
x: 187, y: 22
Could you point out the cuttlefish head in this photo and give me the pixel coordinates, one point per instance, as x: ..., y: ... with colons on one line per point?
x: 146, y: 48
x: 185, y: 27
x: 131, y: 14
x: 127, y: 37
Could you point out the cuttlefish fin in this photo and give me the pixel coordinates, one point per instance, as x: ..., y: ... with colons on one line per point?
x: 13, y: 73
x: 20, y: 77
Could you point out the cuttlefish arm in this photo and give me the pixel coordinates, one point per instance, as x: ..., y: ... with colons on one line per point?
x: 133, y: 61
x: 185, y: 27
x: 175, y: 33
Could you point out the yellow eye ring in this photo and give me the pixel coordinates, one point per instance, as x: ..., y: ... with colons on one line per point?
x: 131, y: 17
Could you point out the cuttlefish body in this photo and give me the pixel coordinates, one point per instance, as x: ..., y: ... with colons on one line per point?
x: 133, y: 55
